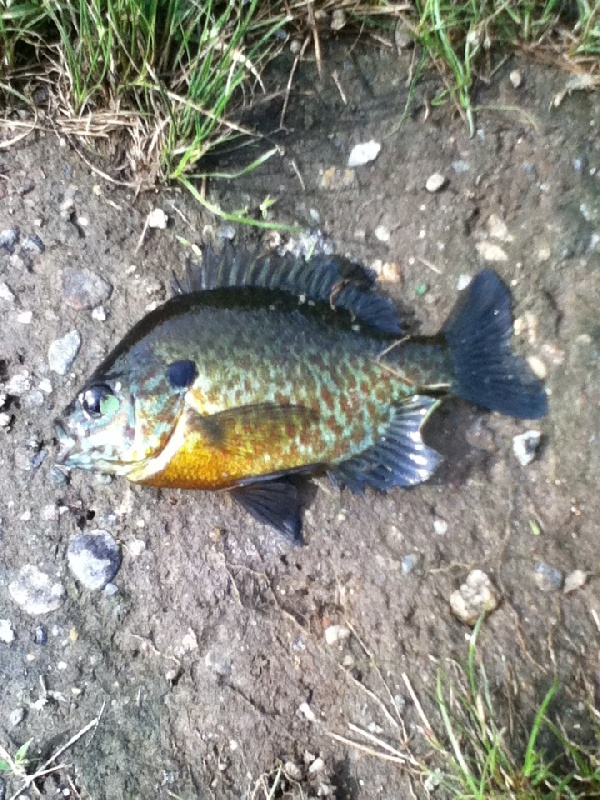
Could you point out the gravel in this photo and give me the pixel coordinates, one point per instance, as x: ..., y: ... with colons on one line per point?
x: 94, y: 559
x: 9, y: 238
x: 525, y: 446
x: 35, y: 591
x: 475, y: 597
x: 575, y: 580
x: 336, y: 633
x: 363, y: 153
x: 32, y: 246
x: 435, y: 182
x: 548, y: 578
x: 7, y: 635
x: 63, y: 352
x: 84, y: 289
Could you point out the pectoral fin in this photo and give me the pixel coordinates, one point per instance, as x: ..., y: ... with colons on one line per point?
x: 275, y: 503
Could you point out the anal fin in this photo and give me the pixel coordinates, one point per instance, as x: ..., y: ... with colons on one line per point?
x: 399, y: 458
x: 276, y: 503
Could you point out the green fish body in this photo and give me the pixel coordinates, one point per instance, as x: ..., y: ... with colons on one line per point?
x: 264, y: 366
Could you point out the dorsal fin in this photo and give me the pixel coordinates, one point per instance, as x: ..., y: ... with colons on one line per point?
x: 331, y: 279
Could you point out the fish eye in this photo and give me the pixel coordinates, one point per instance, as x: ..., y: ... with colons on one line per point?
x: 98, y: 401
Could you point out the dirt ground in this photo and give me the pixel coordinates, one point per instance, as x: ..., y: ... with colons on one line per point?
x: 209, y: 665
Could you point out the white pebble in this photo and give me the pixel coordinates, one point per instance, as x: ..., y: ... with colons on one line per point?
x: 515, y: 78
x: 316, y: 766
x: 463, y: 281
x: 15, y: 718
x: 497, y: 229
x: 6, y: 294
x: 440, y: 526
x: 99, y: 314
x: 382, y: 233
x: 307, y: 712
x: 435, y: 182
x: 475, y: 597
x: 157, y: 219
x: 491, y: 252
x: 7, y: 635
x: 25, y: 317
x: 575, y: 580
x: 525, y: 446
x: 537, y: 367
x: 336, y: 633
x: 19, y: 384
x: 35, y: 592
x: 363, y: 153
x: 62, y: 352
x: 136, y: 547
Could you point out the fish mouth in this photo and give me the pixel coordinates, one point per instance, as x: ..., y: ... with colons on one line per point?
x: 65, y: 443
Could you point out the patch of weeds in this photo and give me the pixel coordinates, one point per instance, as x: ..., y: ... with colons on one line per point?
x: 461, y: 38
x: 16, y: 765
x: 475, y: 759
x: 468, y: 753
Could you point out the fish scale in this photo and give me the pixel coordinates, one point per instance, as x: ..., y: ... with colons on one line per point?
x: 263, y: 366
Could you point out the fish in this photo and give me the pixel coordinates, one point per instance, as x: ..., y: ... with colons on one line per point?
x: 263, y: 369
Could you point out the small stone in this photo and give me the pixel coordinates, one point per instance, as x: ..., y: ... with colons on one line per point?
x: 491, y: 252
x: 6, y: 295
x: 363, y: 153
x: 8, y: 239
x: 537, y: 367
x: 24, y: 317
x: 100, y: 313
x: 227, y: 232
x: 440, y: 526
x: 136, y: 547
x: 6, y: 419
x: 460, y: 166
x: 515, y: 78
x: 40, y: 635
x: 338, y: 19
x: 525, y: 446
x: 292, y: 771
x: 16, y: 717
x: 548, y: 578
x: 334, y: 179
x: 463, y: 281
x: 94, y: 558
x: 435, y: 182
x: 84, y: 289
x: 307, y: 712
x: 7, y: 635
x: 409, y: 563
x: 336, y: 633
x: 382, y: 233
x: 32, y: 246
x: 63, y: 352
x: 19, y: 384
x: 575, y: 580
x: 157, y: 219
x: 219, y: 663
x: 110, y: 590
x: 475, y: 597
x: 497, y: 229
x: 35, y: 592
x: 317, y: 765
x: 45, y: 386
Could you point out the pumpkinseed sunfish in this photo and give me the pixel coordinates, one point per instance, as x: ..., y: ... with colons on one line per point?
x: 262, y: 366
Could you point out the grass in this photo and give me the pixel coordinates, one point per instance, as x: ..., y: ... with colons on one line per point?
x: 477, y: 762
x: 162, y: 82
x: 461, y: 748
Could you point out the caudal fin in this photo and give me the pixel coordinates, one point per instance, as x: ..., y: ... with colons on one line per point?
x: 486, y: 371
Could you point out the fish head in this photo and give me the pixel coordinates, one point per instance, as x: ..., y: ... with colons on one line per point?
x: 119, y: 420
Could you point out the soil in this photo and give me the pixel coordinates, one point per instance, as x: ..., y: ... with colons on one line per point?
x: 209, y: 666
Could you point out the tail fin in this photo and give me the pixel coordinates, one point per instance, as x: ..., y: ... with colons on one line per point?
x: 486, y: 371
